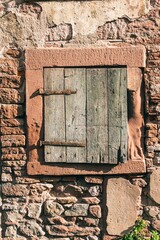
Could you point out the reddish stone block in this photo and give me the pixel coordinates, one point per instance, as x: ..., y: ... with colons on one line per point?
x: 13, y: 52
x: 95, y: 210
x: 30, y: 8
x: 11, y: 110
x: 9, y: 66
x: 12, y: 130
x: 18, y: 163
x: 13, y: 157
x: 13, y: 150
x: 96, y: 180
x: 11, y: 96
x: 12, y: 122
x: 10, y: 81
x: 12, y: 140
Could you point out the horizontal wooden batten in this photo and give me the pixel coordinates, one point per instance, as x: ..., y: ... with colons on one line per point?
x: 66, y: 144
x: 56, y: 92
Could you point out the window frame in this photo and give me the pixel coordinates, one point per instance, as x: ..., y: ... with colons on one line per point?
x: 37, y: 59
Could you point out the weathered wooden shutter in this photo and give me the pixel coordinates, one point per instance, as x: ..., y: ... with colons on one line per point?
x: 85, y: 115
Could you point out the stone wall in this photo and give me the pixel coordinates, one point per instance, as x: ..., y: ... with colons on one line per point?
x: 74, y: 208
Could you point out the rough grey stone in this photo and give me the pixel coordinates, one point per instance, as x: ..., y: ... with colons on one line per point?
x: 12, y: 216
x: 122, y: 199
x: 59, y: 33
x: 94, y: 191
x: 34, y: 210
x: 31, y: 228
x: 53, y: 208
x: 9, y: 189
x: 77, y: 210
x: 11, y: 231
x: 9, y: 207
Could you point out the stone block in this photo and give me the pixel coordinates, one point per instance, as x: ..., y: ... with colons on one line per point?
x: 30, y: 228
x: 67, y: 200
x: 19, y: 163
x: 15, y: 122
x: 90, y: 222
x: 94, y: 191
x: 95, y: 210
x: 34, y: 210
x: 156, y: 225
x: 154, y: 185
x: 10, y: 81
x: 61, y: 32
x: 9, y: 66
x: 11, y: 231
x: 58, y: 220
x: 14, y: 52
x: 60, y: 230
x: 12, y: 130
x: 91, y: 200
x: 12, y: 140
x: 122, y: 199
x: 77, y: 210
x: 6, y: 177
x: 9, y: 189
x: 12, y: 217
x: 8, y: 95
x: 14, y: 157
x: 53, y: 208
x: 11, y: 110
x: 95, y: 180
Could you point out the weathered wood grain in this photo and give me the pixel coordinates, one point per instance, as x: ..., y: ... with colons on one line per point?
x: 54, y: 115
x: 123, y: 103
x: 116, y: 97
x: 75, y: 105
x: 97, y: 120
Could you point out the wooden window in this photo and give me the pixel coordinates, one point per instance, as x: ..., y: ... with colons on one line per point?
x: 85, y: 115
x: 96, y: 105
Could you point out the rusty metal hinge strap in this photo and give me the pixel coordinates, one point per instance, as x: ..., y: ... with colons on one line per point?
x: 47, y: 92
x: 65, y: 144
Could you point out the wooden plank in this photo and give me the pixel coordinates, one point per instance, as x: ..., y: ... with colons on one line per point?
x: 97, y: 129
x: 116, y: 108
x: 75, y: 79
x: 124, y: 115
x: 54, y: 115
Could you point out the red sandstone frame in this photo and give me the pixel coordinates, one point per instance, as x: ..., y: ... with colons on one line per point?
x: 133, y: 57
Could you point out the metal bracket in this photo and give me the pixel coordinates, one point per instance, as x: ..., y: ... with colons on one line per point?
x: 47, y: 92
x: 65, y: 144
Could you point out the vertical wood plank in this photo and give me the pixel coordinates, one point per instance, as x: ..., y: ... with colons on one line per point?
x: 75, y: 79
x: 124, y: 114
x: 97, y: 122
x: 117, y: 133
x: 54, y: 115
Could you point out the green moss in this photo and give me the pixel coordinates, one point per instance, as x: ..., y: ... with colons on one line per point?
x: 140, y: 232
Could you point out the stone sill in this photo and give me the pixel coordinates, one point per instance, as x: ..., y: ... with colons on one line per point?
x: 130, y: 167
